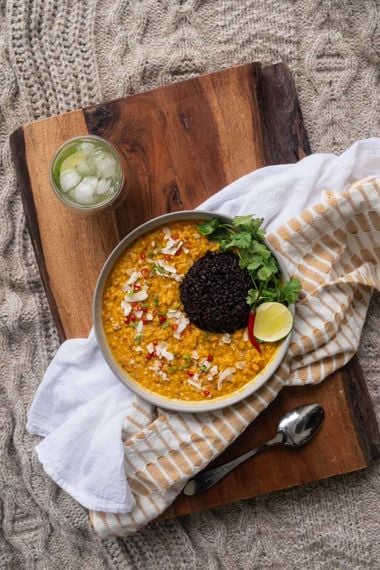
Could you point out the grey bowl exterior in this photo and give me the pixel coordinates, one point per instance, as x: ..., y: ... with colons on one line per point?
x: 160, y: 401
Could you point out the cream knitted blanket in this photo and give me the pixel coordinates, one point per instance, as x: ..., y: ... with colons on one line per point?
x: 56, y: 56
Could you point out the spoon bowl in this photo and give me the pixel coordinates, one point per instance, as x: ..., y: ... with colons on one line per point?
x: 300, y: 425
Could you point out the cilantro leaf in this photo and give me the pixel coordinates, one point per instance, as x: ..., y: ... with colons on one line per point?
x: 254, y: 263
x: 241, y: 240
x: 261, y: 250
x: 209, y: 226
x: 252, y: 297
x: 248, y: 223
x: 289, y: 291
x: 268, y: 269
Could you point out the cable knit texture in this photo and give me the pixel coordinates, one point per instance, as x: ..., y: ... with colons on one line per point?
x: 57, y: 55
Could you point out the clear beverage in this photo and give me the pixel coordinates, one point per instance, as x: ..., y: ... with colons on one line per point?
x: 86, y: 173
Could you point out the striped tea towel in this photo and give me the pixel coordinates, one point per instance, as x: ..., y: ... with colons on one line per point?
x: 333, y: 248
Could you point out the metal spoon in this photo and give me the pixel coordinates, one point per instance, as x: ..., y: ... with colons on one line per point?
x: 294, y: 429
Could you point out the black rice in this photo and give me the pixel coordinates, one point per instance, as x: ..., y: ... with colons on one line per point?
x: 214, y: 291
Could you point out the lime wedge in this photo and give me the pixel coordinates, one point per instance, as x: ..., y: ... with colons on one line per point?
x: 73, y: 161
x: 273, y: 322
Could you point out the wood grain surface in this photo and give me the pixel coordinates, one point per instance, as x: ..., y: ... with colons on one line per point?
x: 180, y: 144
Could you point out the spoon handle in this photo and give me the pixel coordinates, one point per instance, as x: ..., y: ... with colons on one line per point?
x: 208, y: 479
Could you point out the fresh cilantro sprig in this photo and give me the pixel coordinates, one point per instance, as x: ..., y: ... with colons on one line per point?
x: 245, y: 236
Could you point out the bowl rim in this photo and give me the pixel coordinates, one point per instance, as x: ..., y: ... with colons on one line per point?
x: 161, y: 401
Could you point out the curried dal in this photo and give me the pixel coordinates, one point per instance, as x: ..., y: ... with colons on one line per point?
x: 151, y: 337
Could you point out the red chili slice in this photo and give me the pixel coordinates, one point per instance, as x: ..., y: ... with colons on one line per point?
x: 251, y: 324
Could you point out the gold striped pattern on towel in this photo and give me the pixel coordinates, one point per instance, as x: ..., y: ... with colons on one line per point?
x: 333, y: 247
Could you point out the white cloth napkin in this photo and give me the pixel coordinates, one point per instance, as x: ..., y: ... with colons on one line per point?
x: 80, y: 406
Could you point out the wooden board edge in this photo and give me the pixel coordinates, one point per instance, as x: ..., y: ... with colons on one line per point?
x: 169, y: 86
x: 47, y: 119
x: 362, y: 411
x: 281, y: 109
x: 18, y: 152
x: 171, y: 513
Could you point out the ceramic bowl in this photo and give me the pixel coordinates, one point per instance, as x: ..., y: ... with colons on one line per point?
x: 161, y: 401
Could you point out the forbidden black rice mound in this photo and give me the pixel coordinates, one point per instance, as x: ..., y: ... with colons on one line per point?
x: 213, y: 293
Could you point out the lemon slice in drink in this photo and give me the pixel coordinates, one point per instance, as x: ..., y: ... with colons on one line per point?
x: 273, y: 322
x: 72, y: 161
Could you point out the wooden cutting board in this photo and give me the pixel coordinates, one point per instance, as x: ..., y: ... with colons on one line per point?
x: 180, y: 144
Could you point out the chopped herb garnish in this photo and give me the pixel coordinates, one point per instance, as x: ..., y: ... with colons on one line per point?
x: 245, y: 237
x: 165, y: 325
x: 158, y: 269
x: 138, y: 338
x: 188, y: 362
x: 155, y: 301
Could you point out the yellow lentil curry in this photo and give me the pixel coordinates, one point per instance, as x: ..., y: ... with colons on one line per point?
x: 151, y: 337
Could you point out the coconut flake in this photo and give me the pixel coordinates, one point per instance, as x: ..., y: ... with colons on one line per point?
x: 245, y: 336
x: 224, y: 375
x: 226, y: 338
x: 139, y: 328
x: 166, y: 270
x: 172, y: 246
x: 196, y: 383
x: 126, y: 308
x: 241, y: 364
x: 139, y: 314
x: 149, y: 317
x: 166, y: 267
x: 137, y: 349
x: 150, y: 348
x: 162, y: 352
x: 195, y: 355
x: 136, y: 296
x: 135, y: 275
x: 156, y: 366
x: 180, y: 320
